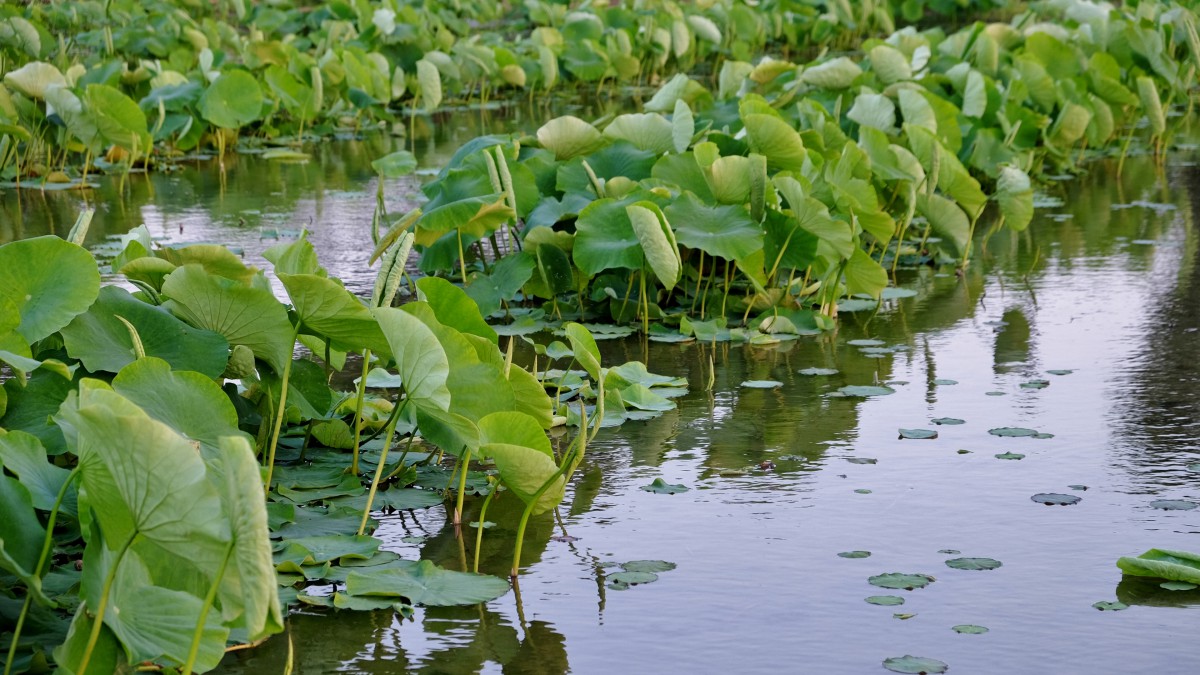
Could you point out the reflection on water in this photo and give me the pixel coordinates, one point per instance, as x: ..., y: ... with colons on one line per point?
x: 1104, y: 284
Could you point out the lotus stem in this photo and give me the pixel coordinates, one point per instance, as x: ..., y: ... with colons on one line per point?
x: 567, y: 460
x: 482, y: 514
x: 279, y: 414
x: 358, y: 408
x: 387, y: 444
x: 462, y: 259
x: 462, y: 485
x: 94, y: 636
x: 198, y: 634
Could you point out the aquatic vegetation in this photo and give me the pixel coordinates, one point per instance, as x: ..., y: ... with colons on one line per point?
x: 1161, y: 564
x: 914, y: 664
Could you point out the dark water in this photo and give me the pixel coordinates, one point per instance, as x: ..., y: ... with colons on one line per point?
x: 1106, y: 283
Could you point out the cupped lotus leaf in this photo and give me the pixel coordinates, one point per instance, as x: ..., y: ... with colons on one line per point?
x: 973, y: 563
x: 777, y: 141
x: 524, y: 471
x: 1055, y: 499
x: 721, y: 231
x: 662, y: 487
x: 635, y: 372
x: 886, y: 600
x: 875, y: 111
x: 898, y: 581
x: 295, y: 96
x: 1015, y: 197
x: 427, y: 584
x: 657, y: 242
x: 916, y: 111
x: 33, y: 78
x: 453, y: 307
x: 475, y: 216
x: 1173, y: 504
x: 863, y: 491
x: 583, y: 346
x: 569, y: 136
x: 296, y: 257
x: 664, y: 99
x: 914, y: 664
x: 214, y: 258
x: 683, y: 127
x: 643, y: 398
x: 1060, y: 372
x: 1109, y: 606
x: 918, y: 433
x: 28, y: 406
x: 646, y: 131
x: 864, y: 275
x: 248, y: 599
x: 620, y: 581
x: 232, y: 101
x: 103, y: 342
x: 22, y: 454
x: 422, y: 362
x: 605, y: 238
x: 118, y: 119
x: 395, y: 165
x: 836, y: 73
x: 1152, y: 105
x: 326, y: 308
x: 890, y: 64
x: 188, y: 402
x: 48, y: 281
x: 1013, y: 432
x: 947, y: 219
x: 514, y: 428
x: 969, y: 629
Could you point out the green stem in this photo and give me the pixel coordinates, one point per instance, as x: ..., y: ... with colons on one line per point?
x: 99, y: 620
x: 279, y: 414
x: 568, y: 461
x: 208, y: 602
x: 47, y: 544
x: 358, y: 407
x: 462, y: 485
x: 462, y: 259
x: 482, y: 514
x: 387, y: 444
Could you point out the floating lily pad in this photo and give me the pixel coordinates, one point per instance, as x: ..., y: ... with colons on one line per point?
x: 1013, y: 432
x: 1178, y: 586
x: 762, y: 384
x: 1194, y: 467
x: 1042, y: 435
x: 918, y: 434
x: 1108, y: 606
x: 661, y: 487
x: 899, y: 581
x: 860, y: 390
x: 818, y: 371
x: 973, y: 563
x: 1173, y: 504
x: 623, y: 580
x: 914, y: 664
x: 651, y: 566
x: 854, y: 554
x: 941, y: 382
x: 863, y: 491
x: 866, y: 343
x: 886, y: 600
x: 1035, y: 384
x: 994, y: 393
x: 903, y: 616
x: 1010, y: 455
x: 1060, y: 372
x: 970, y: 629
x: 949, y: 551
x: 1078, y: 487
x: 947, y: 421
x: 862, y: 460
x: 427, y: 584
x: 963, y: 452
x: 1055, y: 499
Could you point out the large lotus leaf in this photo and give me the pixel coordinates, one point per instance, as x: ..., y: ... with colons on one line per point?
x: 947, y: 219
x: 427, y: 584
x: 864, y: 275
x: 308, y: 389
x: 530, y: 398
x: 916, y: 110
x: 296, y: 257
x: 569, y: 137
x: 21, y: 535
x: 103, y: 342
x: 215, y: 259
x: 605, y: 238
x: 49, y: 281
x: 422, y: 362
x: 664, y: 99
x: 327, y: 309
x: 188, y: 402
x: 143, y: 478
x: 476, y: 380
x: 233, y: 100
x: 1072, y: 123
x: 620, y: 158
x: 836, y: 73
x: 105, y: 652
x: 1015, y: 196
x: 118, y: 119
x: 508, y: 275
x: 646, y: 131
x: 453, y: 307
x: 32, y: 79
x: 30, y: 405
x: 247, y: 594
x: 953, y: 178
x: 583, y: 345
x: 683, y: 127
x: 729, y: 178
x: 777, y: 140
x: 449, y: 431
x: 431, y: 85
x: 70, y: 110
x: 1163, y: 564
x: 890, y: 64
x: 1152, y: 105
x: 683, y: 172
x: 474, y: 216
x: 23, y: 455
x: 295, y: 96
x: 657, y: 241
x: 514, y: 428
x: 524, y: 471
x: 875, y: 111
x: 244, y: 315
x: 720, y: 231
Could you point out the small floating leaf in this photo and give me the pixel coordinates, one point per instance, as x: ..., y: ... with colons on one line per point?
x: 866, y: 343
x: 1035, y: 384
x: 897, y: 580
x: 963, y: 452
x: 1177, y: 586
x: 862, y: 460
x: 1194, y: 467
x: 762, y: 384
x: 1010, y: 455
x: 818, y: 371
x: 945, y: 382
x: 1059, y: 372
x: 1013, y: 432
x: 918, y: 434
x: 886, y: 600
x: 973, y: 563
x: 1042, y: 436
x: 661, y: 487
x: 623, y: 580
x: 651, y: 566
x: 994, y: 393
x: 947, y: 421
x: 1078, y: 487
x: 914, y: 664
x: 865, y: 390
x: 863, y: 491
x: 970, y: 629
x: 1107, y: 606
x: 949, y: 551
x: 903, y: 616
x: 1055, y: 499
x: 1173, y: 504
x: 854, y: 554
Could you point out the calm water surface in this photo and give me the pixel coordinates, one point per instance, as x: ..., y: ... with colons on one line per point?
x: 1105, y: 284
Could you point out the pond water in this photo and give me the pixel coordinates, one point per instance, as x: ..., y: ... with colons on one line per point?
x: 1105, y: 284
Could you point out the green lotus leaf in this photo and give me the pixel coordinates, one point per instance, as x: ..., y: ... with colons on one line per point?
x: 890, y: 64
x: 48, y: 281
x: 327, y: 309
x: 118, y: 119
x: 21, y: 536
x: 395, y: 165
x: 668, y: 94
x: 569, y: 137
x: 454, y: 308
x: 973, y: 563
x: 864, y: 275
x: 777, y: 140
x: 875, y: 111
x: 683, y: 127
x: 1163, y: 564
x: 297, y: 97
x: 22, y: 454
x: 524, y: 471
x: 33, y: 78
x: 914, y: 664
x: 422, y: 362
x: 1015, y: 196
x: 946, y: 218
x: 657, y: 241
x: 583, y: 346
x: 836, y: 73
x: 514, y: 428
x: 605, y: 238
x: 232, y: 101
x: 646, y: 131
x: 427, y: 584
x: 662, y: 487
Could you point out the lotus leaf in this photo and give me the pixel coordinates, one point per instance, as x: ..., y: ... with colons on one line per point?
x: 426, y: 584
